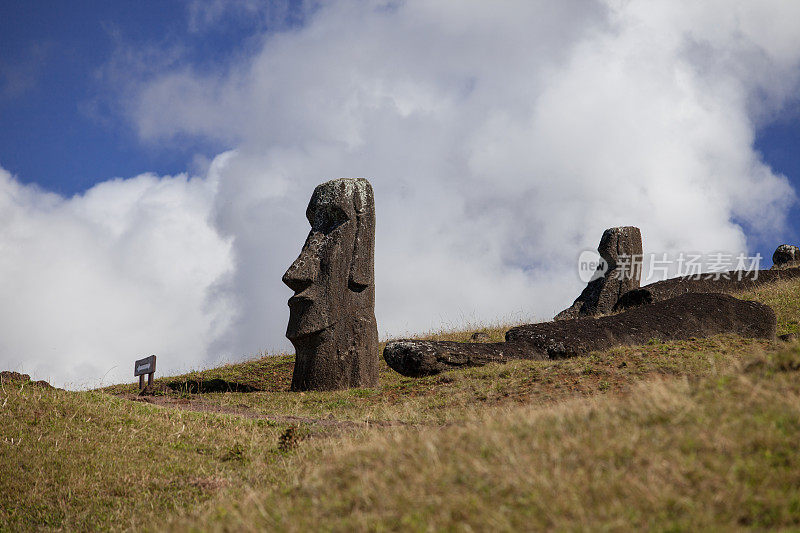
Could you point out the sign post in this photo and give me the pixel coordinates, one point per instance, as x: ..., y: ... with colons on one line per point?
x: 145, y: 366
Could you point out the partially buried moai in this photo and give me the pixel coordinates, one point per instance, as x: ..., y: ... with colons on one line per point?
x: 621, y: 250
x: 332, y: 313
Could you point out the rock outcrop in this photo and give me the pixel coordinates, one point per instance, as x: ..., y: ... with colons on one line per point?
x: 680, y: 318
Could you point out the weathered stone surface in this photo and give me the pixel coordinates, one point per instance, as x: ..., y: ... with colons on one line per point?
x: 681, y: 318
x: 422, y: 358
x: 479, y: 336
x: 727, y: 283
x: 621, y: 249
x: 786, y: 256
x: 332, y: 313
x: 788, y: 337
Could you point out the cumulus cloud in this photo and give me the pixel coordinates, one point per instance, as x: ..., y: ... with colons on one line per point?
x: 501, y: 138
x: 93, y: 282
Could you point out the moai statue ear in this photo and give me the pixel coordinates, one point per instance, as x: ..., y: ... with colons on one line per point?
x: 362, y: 266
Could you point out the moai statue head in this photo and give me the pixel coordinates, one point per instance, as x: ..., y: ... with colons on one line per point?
x: 332, y: 313
x: 622, y: 248
x: 786, y: 256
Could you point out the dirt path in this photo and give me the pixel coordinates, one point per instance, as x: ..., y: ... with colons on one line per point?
x: 199, y: 406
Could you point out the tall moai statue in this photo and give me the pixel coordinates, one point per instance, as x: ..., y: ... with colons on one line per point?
x: 332, y: 313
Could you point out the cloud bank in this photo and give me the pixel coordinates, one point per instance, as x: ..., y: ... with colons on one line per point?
x: 501, y: 139
x: 91, y: 283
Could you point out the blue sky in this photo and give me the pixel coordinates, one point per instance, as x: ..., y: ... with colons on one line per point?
x: 779, y: 143
x: 500, y: 143
x: 61, y: 126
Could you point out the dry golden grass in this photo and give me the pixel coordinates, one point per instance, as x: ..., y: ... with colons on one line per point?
x: 784, y: 298
x: 718, y: 452
x: 688, y: 435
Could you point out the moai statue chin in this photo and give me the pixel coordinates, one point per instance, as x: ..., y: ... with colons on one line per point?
x: 332, y: 313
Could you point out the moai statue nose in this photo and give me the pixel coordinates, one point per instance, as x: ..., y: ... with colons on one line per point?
x: 305, y: 269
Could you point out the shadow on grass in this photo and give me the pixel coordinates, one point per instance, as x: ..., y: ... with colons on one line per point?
x: 210, y: 385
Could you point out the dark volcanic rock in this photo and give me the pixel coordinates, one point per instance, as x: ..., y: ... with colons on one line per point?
x: 681, y: 318
x: 332, y: 313
x: 621, y: 249
x: 423, y: 358
x: 728, y: 282
x: 786, y: 256
x: 633, y: 298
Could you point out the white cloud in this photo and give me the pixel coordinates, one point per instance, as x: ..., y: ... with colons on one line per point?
x: 501, y: 139
x: 93, y: 282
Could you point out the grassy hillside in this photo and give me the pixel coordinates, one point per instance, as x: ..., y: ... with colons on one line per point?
x: 666, y: 436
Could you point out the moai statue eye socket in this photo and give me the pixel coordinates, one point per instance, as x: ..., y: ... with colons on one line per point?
x: 332, y: 313
x: 327, y: 218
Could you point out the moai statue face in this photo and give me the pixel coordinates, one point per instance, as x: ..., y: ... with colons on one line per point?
x: 333, y: 276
